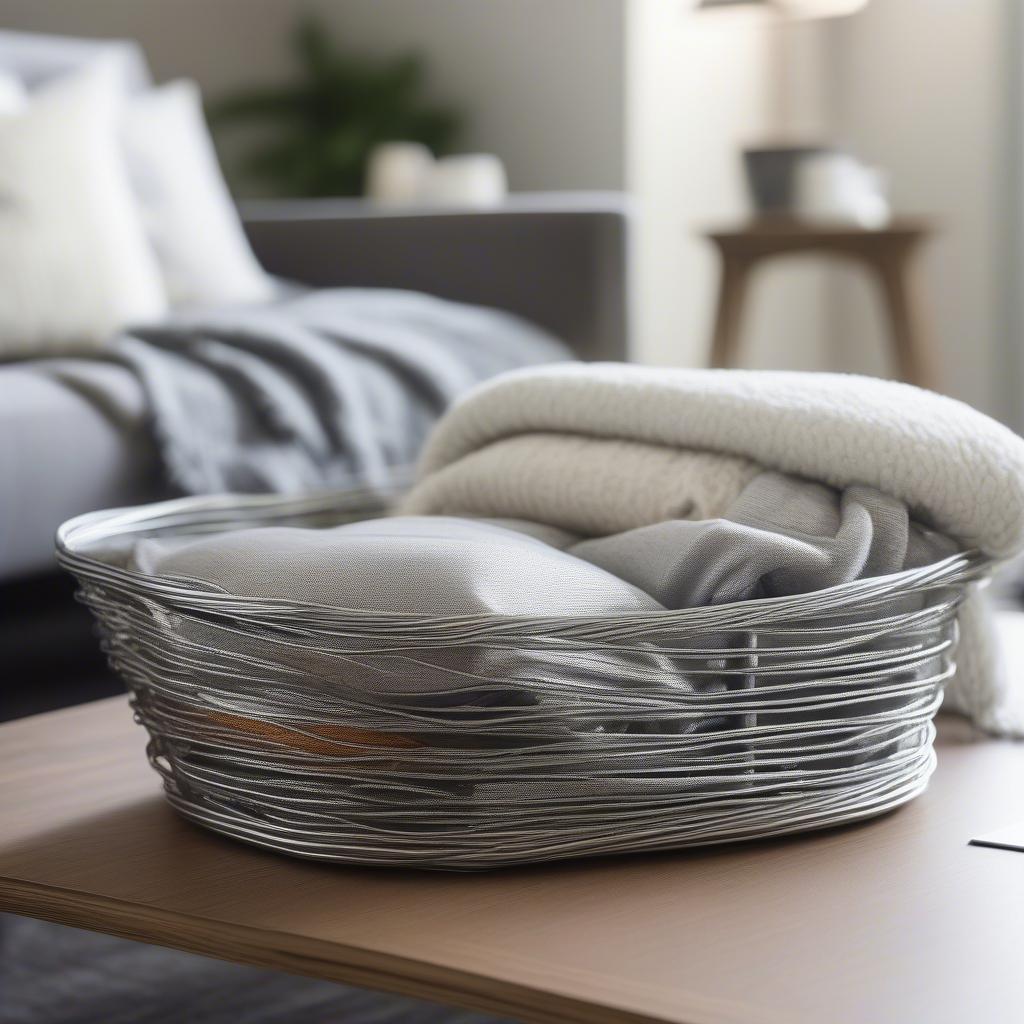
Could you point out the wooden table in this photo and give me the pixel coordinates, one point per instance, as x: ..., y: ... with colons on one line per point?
x: 888, y: 254
x: 893, y: 920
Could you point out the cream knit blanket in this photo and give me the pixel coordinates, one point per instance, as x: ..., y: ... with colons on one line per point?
x: 596, y: 449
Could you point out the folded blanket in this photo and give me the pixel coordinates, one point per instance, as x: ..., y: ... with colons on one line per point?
x: 319, y: 390
x: 609, y: 452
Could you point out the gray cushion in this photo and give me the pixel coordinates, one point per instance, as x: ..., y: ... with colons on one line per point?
x: 433, y: 566
x: 425, y: 565
x: 62, y: 454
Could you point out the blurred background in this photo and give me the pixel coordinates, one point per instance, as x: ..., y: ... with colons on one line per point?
x: 645, y: 156
x: 656, y: 97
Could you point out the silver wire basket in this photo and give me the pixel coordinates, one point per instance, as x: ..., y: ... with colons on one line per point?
x: 556, y: 737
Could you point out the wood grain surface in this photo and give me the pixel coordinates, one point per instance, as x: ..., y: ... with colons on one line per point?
x: 892, y: 920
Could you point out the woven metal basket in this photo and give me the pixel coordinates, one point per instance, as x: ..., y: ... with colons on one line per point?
x: 558, y: 737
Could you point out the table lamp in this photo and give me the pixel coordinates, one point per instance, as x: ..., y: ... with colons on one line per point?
x: 792, y: 8
x: 771, y: 169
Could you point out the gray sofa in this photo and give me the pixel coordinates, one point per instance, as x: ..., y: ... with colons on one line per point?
x: 559, y: 260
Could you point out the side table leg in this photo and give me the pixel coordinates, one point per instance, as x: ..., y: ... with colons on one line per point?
x: 915, y: 356
x: 732, y: 292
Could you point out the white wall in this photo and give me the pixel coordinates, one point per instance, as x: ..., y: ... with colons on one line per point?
x: 923, y: 88
x: 605, y: 93
x: 920, y: 88
x: 699, y: 89
x: 541, y: 81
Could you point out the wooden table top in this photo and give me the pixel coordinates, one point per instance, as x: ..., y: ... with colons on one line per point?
x: 777, y: 236
x: 892, y: 920
x: 787, y: 227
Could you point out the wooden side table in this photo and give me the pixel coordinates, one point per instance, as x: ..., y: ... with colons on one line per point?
x: 887, y: 254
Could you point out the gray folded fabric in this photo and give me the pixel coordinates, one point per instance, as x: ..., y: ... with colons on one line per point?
x: 782, y: 536
x: 423, y: 566
x: 413, y: 565
x: 318, y: 390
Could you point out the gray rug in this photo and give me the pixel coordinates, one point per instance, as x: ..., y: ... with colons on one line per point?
x: 55, y: 975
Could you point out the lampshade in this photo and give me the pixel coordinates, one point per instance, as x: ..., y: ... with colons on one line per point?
x: 792, y: 8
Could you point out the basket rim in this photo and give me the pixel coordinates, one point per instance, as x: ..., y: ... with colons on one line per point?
x: 232, y: 510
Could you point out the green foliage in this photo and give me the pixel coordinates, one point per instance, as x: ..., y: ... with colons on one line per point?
x: 321, y: 127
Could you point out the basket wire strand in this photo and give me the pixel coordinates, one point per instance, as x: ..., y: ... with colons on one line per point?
x: 306, y: 729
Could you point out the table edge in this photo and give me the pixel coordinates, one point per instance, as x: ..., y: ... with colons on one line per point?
x: 308, y: 957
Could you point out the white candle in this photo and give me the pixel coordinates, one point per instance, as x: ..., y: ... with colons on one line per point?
x: 397, y: 172
x: 470, y: 179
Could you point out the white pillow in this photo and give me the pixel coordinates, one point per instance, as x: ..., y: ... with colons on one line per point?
x: 75, y: 264
x: 12, y: 95
x: 189, y: 215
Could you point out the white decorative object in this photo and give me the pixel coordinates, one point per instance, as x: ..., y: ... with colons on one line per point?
x: 397, y: 172
x: 407, y: 173
x: 75, y: 264
x: 834, y: 187
x: 818, y: 8
x: 471, y: 179
x: 189, y: 215
x: 791, y: 8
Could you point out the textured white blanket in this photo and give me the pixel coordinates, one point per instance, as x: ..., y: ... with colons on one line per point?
x: 587, y: 485
x: 949, y: 462
x: 522, y: 438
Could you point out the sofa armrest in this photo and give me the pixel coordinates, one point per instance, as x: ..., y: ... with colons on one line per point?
x: 559, y: 260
